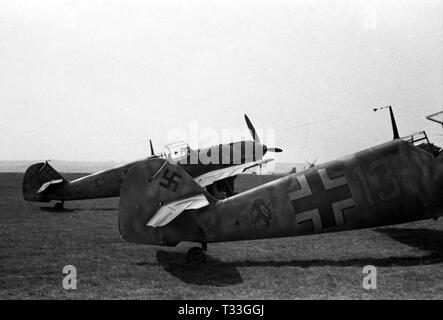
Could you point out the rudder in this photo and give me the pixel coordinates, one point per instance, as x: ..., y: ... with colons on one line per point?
x: 147, y: 187
x: 39, y: 179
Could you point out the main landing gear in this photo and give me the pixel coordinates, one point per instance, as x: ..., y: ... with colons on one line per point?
x: 196, y: 255
x: 59, y: 206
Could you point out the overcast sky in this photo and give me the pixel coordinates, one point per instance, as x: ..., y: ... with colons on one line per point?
x: 92, y: 80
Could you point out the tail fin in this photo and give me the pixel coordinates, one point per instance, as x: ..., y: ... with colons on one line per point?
x: 154, y: 192
x: 42, y: 183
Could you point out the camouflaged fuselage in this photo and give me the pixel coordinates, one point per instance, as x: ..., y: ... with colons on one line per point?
x: 391, y: 183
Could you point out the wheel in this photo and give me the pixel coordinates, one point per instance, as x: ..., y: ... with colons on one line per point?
x: 196, y: 256
x: 58, y: 206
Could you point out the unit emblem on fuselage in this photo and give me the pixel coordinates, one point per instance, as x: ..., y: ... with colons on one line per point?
x: 260, y: 213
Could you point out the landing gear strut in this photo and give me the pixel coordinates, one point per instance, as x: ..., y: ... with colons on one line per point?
x: 196, y: 255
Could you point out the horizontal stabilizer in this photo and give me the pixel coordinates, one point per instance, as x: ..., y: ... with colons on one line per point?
x: 170, y: 211
x: 47, y: 184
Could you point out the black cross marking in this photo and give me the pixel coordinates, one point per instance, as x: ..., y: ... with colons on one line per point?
x: 321, y: 199
x: 170, y: 180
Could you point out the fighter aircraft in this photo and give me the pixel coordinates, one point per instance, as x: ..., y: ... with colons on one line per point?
x: 214, y: 168
x: 395, y: 182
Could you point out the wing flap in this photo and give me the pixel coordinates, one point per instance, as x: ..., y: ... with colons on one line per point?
x: 170, y: 211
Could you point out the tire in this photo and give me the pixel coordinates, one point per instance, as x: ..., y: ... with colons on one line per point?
x: 196, y: 256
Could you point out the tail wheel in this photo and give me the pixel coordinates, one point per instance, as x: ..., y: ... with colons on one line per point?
x: 196, y: 256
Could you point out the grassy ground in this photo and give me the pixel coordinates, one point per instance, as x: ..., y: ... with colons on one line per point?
x: 35, y: 244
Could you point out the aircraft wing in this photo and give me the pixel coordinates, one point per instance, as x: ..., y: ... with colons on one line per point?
x: 170, y: 211
x: 210, y: 177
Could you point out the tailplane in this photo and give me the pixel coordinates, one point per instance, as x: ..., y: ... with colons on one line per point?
x: 42, y: 183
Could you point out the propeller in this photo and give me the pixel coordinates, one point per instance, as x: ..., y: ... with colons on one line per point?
x: 252, y: 130
x: 257, y: 139
x: 312, y: 164
x: 274, y: 149
x: 152, y: 148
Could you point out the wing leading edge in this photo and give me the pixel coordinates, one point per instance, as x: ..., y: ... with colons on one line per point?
x: 216, y: 175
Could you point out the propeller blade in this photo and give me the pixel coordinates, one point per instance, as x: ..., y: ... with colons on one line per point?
x: 252, y: 130
x: 152, y: 148
x: 274, y: 150
x: 312, y: 164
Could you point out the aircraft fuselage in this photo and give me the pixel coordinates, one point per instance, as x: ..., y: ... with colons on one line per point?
x: 391, y: 183
x: 107, y: 183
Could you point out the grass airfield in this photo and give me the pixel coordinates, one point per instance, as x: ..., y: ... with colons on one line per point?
x: 36, y: 243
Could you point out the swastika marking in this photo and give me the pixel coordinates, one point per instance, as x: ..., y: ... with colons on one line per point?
x: 47, y: 172
x: 170, y: 180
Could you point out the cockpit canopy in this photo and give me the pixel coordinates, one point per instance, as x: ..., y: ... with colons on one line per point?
x: 177, y: 150
x: 420, y: 140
